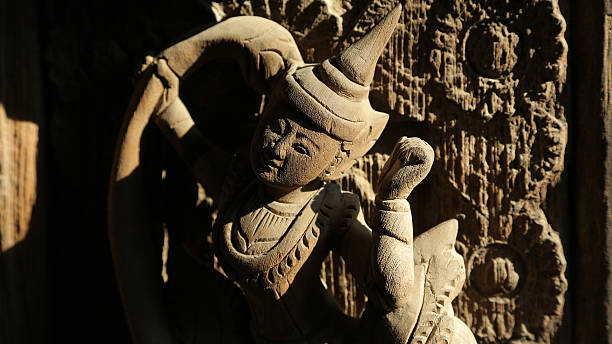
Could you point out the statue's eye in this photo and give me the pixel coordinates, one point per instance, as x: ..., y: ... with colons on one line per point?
x: 277, y: 126
x: 300, y: 148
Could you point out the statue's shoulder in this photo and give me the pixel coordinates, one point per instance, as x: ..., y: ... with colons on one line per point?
x: 238, y: 178
x: 338, y: 208
x: 336, y: 198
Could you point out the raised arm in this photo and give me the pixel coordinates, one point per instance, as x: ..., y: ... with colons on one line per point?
x: 208, y: 162
x: 393, y: 247
x: 133, y: 225
x: 262, y: 49
x: 383, y: 259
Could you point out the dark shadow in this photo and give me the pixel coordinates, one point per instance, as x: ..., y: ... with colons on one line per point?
x: 24, y: 300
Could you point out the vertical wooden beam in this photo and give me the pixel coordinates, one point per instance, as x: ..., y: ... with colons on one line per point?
x: 606, y: 172
x: 23, y: 287
x: 592, y: 177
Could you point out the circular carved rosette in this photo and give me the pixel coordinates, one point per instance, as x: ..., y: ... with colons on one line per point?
x: 514, y: 291
x: 490, y: 58
x: 491, y: 49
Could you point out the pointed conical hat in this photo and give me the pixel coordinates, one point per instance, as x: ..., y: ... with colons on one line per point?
x: 334, y: 94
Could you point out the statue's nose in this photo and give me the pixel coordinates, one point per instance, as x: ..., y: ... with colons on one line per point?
x: 282, y: 145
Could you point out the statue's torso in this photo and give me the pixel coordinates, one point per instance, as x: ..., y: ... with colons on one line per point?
x: 275, y: 251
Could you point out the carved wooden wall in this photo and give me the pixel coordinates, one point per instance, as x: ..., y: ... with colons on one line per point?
x: 483, y: 79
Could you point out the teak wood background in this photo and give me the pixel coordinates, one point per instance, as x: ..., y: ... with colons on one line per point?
x: 65, y: 81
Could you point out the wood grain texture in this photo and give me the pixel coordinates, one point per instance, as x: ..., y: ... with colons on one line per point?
x: 23, y: 280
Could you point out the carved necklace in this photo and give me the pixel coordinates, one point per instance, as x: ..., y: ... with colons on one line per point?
x: 259, y: 231
x: 274, y: 267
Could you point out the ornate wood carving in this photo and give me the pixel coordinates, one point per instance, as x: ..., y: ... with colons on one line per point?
x: 279, y: 219
x: 484, y: 79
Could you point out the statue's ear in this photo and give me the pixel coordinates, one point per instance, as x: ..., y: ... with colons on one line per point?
x: 261, y: 47
x: 336, y: 168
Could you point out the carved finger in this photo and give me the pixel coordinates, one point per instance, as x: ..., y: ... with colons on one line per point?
x: 166, y: 75
x: 149, y: 60
x: 390, y: 167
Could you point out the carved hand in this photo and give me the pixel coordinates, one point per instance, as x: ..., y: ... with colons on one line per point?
x: 407, y: 166
x: 168, y: 78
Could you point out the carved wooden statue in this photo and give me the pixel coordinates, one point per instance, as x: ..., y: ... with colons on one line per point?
x: 278, y: 222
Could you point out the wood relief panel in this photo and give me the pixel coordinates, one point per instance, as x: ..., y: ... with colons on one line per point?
x: 482, y: 79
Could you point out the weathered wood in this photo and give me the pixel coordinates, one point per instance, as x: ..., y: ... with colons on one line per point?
x: 23, y: 280
x: 87, y: 67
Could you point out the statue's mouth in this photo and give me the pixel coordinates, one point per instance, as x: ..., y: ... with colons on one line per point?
x: 269, y: 161
x: 274, y: 163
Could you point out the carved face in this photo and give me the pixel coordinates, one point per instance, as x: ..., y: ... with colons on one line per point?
x: 287, y: 151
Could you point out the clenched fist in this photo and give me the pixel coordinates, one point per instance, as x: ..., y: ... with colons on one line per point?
x: 407, y: 166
